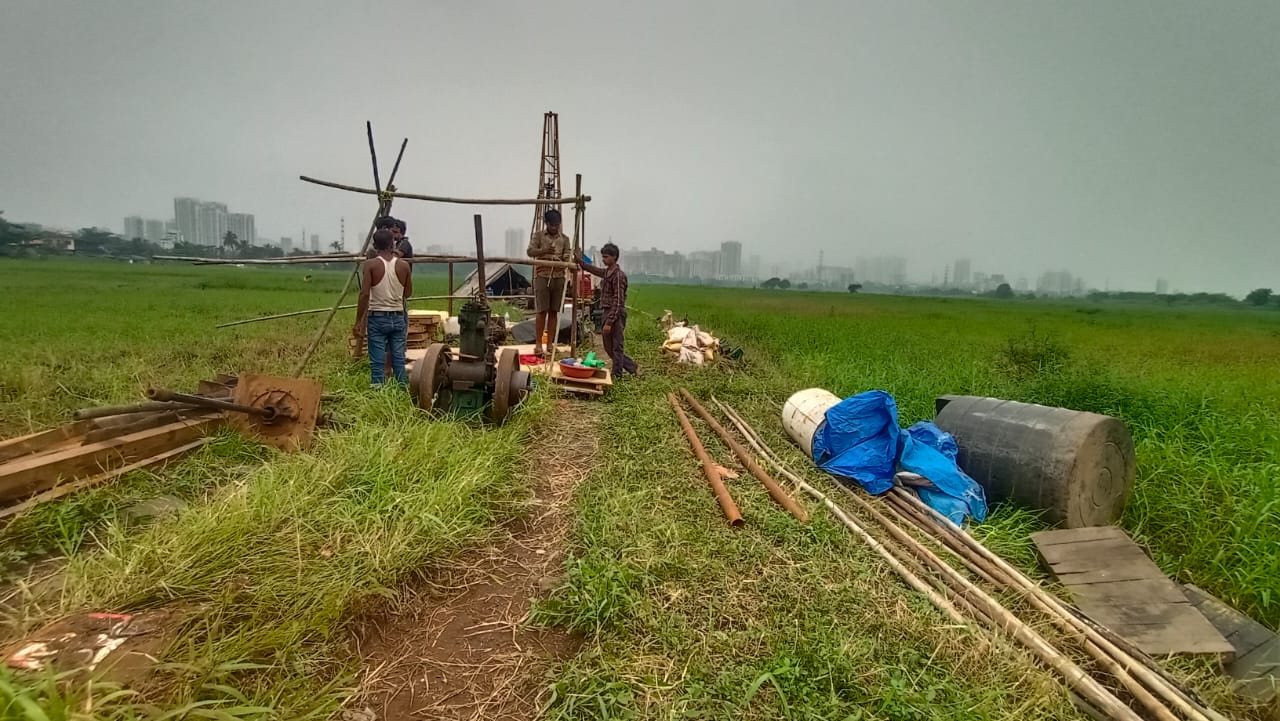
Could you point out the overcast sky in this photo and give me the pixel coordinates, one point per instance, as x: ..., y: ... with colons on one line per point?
x: 1122, y: 140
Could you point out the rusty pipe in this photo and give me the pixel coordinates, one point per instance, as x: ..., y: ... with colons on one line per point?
x: 268, y: 413
x: 708, y: 466
x: 132, y: 409
x: 775, y: 490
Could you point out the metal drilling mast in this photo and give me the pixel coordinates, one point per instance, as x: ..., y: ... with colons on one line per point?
x: 548, y: 168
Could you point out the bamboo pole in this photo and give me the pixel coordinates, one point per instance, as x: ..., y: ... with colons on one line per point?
x: 1001, y: 618
x: 709, y: 468
x: 579, y: 230
x: 428, y: 259
x: 349, y: 306
x: 775, y: 491
x: 384, y: 206
x: 1133, y: 662
x: 439, y: 198
x: 1096, y: 639
x: 451, y: 289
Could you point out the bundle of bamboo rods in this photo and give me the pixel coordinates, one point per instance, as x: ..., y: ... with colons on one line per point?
x: 1155, y: 694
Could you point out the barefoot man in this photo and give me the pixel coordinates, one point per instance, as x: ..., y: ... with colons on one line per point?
x: 548, y: 283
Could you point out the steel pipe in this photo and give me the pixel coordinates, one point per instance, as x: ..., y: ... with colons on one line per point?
x: 775, y: 490
x: 708, y: 466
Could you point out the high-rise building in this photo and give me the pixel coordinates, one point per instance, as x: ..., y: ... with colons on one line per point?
x: 315, y: 243
x: 891, y: 270
x: 516, y: 246
x: 1162, y: 286
x: 211, y: 224
x: 286, y: 245
x: 753, y: 267
x: 1055, y: 283
x: 153, y: 230
x: 242, y: 225
x: 730, y: 259
x: 133, y: 227
x: 186, y: 216
x: 961, y: 277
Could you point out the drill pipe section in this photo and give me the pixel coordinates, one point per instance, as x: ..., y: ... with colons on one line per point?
x: 708, y: 466
x: 268, y: 414
x: 775, y: 490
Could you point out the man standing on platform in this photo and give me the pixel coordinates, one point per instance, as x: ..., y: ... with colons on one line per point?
x: 613, y: 299
x: 548, y: 283
x: 384, y: 284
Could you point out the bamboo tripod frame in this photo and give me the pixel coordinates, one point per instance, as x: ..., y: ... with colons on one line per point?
x: 385, y: 199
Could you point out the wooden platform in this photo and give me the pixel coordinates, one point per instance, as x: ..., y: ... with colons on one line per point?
x: 1114, y: 581
x: 595, y: 386
x: 1256, y: 668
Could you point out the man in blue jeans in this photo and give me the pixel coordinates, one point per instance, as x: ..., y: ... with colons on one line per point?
x: 386, y: 281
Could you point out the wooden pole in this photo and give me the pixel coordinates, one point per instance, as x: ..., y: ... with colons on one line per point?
x: 383, y: 208
x: 709, y: 468
x: 439, y: 198
x: 577, y: 253
x: 349, y: 306
x: 429, y: 259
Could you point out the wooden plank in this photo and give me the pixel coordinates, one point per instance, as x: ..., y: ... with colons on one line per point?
x: 1076, y: 535
x: 69, y: 488
x: 1110, y: 548
x: 1078, y: 571
x: 1119, y: 592
x: 42, y: 440
x: 583, y: 390
x: 1244, y: 633
x: 32, y: 474
x: 1176, y: 639
x: 1258, y: 674
x: 1116, y: 584
x: 1256, y: 668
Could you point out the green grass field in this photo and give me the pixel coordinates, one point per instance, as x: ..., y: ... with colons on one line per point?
x: 682, y: 616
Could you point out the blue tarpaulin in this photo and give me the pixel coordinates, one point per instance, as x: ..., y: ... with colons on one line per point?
x: 860, y: 440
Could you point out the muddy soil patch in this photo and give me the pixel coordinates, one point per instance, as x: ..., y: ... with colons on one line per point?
x: 460, y: 646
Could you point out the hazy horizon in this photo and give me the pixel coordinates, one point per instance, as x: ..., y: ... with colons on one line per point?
x: 1123, y: 142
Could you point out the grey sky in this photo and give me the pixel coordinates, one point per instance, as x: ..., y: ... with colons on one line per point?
x: 1123, y: 141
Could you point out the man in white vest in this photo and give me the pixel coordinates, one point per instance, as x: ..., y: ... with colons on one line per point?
x: 380, y: 317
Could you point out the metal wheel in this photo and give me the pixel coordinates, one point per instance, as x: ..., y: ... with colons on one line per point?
x: 431, y: 388
x: 503, y: 387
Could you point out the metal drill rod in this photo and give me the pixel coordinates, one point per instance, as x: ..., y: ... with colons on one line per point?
x: 269, y: 413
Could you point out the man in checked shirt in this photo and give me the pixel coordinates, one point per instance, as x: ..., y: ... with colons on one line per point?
x: 613, y: 299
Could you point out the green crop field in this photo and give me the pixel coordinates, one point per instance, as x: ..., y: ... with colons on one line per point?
x: 681, y: 616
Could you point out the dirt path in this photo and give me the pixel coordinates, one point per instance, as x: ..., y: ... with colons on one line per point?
x: 460, y: 648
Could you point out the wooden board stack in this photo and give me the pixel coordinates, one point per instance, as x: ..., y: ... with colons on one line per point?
x: 1113, y: 581
x: 425, y: 327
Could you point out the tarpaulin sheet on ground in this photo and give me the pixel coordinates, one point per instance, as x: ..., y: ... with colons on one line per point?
x: 860, y: 440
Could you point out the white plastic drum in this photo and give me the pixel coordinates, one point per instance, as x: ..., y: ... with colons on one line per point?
x: 804, y: 412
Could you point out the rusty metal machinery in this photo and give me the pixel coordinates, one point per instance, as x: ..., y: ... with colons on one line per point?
x: 482, y: 379
x: 276, y: 410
